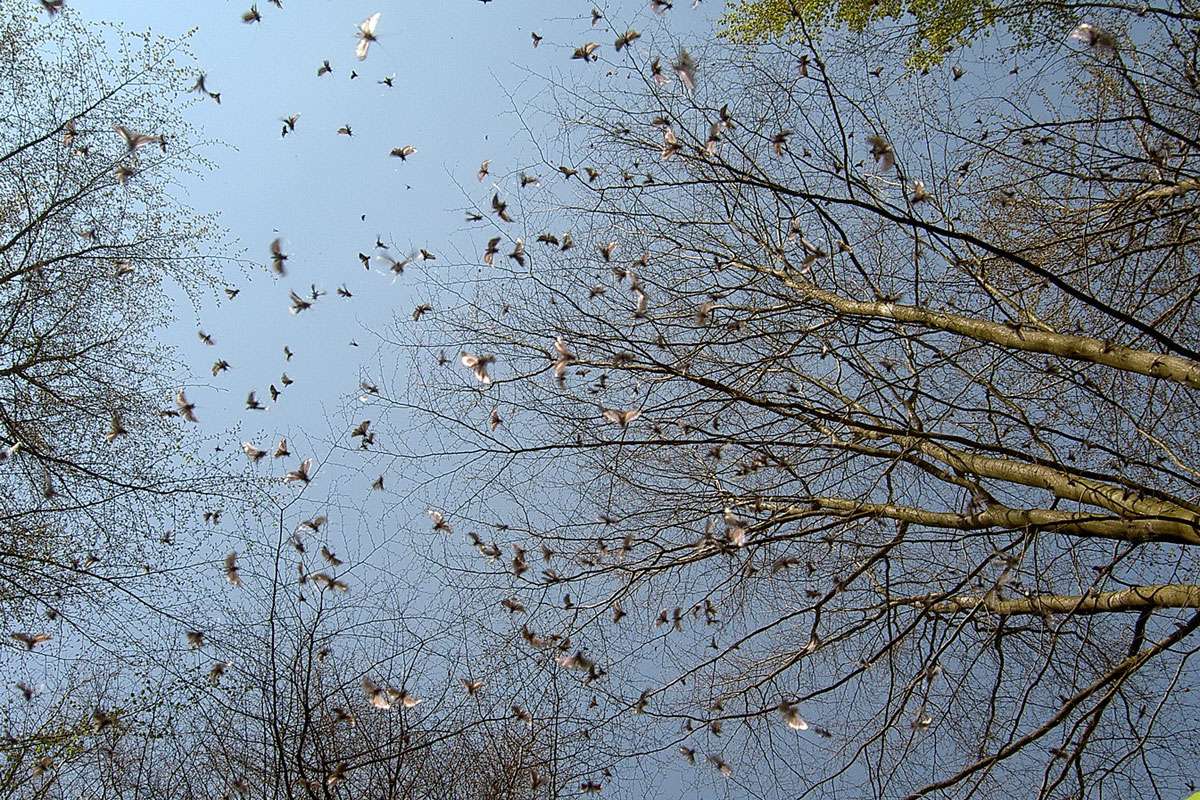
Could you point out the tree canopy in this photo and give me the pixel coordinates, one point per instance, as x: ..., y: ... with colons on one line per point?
x: 842, y: 437
x: 928, y: 29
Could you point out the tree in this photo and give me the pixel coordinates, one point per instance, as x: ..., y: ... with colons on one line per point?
x: 929, y: 30
x: 853, y: 418
x: 92, y: 245
x: 99, y: 474
x: 323, y: 686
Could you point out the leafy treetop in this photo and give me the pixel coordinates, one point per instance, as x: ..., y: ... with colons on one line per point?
x: 934, y: 28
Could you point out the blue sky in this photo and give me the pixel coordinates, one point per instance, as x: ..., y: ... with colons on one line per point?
x: 459, y: 66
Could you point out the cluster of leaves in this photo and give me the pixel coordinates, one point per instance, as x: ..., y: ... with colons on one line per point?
x: 929, y: 29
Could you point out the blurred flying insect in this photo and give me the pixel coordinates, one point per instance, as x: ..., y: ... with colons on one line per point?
x: 366, y: 35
